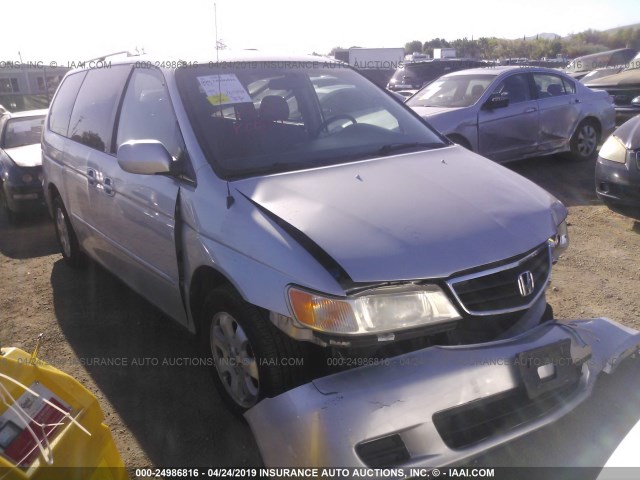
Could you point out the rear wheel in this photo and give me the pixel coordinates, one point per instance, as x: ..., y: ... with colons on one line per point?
x: 252, y: 358
x: 66, y: 236
x: 585, y: 140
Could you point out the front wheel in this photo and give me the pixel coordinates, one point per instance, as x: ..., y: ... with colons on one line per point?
x: 585, y: 141
x: 66, y: 236
x: 252, y: 359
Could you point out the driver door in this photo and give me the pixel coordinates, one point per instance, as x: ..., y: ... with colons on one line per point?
x: 510, y: 132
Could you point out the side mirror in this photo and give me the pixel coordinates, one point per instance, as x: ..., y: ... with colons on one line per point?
x: 144, y: 157
x: 496, y: 101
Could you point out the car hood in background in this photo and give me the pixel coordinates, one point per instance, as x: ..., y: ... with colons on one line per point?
x: 625, y: 78
x: 412, y: 216
x: 629, y: 133
x: 26, y: 156
x: 445, y: 120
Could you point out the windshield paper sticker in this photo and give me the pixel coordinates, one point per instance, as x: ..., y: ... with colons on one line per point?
x: 224, y: 89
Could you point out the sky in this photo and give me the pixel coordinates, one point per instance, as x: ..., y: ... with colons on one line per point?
x: 74, y: 30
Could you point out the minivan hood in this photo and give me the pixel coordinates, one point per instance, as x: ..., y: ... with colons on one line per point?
x: 25, y: 156
x: 413, y: 216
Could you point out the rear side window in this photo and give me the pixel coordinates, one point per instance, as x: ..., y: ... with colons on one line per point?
x: 95, y: 108
x: 60, y: 110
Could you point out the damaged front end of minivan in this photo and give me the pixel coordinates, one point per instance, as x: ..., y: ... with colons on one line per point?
x: 443, y: 404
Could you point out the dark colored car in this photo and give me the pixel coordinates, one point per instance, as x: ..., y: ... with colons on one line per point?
x: 21, y: 162
x: 618, y: 168
x: 624, y: 87
x: 414, y: 75
x: 580, y: 66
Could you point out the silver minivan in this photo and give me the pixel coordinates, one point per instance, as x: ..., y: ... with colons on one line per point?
x: 301, y: 221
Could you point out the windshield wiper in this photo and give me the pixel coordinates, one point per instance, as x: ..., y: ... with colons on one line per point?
x: 394, y: 147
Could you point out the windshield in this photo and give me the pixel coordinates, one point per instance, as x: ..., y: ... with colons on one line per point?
x: 23, y: 131
x: 451, y: 92
x: 257, y: 118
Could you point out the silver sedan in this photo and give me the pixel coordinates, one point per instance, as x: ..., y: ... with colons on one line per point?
x: 509, y: 113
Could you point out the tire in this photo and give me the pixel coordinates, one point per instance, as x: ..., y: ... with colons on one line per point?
x: 66, y: 236
x: 247, y: 351
x: 585, y: 139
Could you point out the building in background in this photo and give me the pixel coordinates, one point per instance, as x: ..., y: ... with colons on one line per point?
x: 29, y: 85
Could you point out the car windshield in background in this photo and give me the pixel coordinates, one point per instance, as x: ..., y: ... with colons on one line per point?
x: 256, y: 118
x: 22, y: 131
x: 451, y: 92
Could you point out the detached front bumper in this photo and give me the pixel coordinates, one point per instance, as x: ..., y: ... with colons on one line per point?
x: 440, y: 405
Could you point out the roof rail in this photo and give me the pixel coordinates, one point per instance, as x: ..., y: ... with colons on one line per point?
x: 128, y: 53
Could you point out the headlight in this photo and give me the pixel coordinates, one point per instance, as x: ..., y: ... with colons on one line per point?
x: 560, y: 241
x: 635, y: 101
x: 613, y: 150
x: 381, y: 310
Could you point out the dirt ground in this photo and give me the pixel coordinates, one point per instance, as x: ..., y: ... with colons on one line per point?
x: 162, y: 409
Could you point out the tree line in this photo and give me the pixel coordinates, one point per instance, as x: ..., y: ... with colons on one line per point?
x: 489, y: 48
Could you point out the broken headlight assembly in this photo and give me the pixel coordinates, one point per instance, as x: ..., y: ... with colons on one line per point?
x: 560, y: 241
x: 379, y: 310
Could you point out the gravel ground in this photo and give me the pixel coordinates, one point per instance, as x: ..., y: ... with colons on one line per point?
x: 168, y: 415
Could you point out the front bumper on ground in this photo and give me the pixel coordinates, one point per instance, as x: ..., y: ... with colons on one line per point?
x: 440, y: 405
x: 24, y: 198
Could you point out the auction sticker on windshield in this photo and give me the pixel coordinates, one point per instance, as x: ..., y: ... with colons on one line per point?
x: 224, y: 89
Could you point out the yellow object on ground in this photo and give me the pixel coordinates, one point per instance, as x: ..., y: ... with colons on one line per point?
x: 50, y: 425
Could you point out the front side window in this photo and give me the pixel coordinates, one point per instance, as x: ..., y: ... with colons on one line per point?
x: 262, y: 117
x: 451, y: 92
x: 515, y: 88
x: 147, y: 113
x: 22, y: 131
x: 95, y: 107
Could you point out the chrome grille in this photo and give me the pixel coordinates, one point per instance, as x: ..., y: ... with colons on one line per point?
x: 499, y: 290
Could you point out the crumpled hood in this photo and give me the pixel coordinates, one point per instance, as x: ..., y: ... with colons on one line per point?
x: 411, y: 216
x: 26, y: 156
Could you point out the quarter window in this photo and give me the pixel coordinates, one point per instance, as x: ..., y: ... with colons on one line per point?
x: 60, y: 110
x: 95, y: 108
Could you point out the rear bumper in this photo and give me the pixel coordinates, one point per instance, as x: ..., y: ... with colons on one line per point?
x: 414, y: 401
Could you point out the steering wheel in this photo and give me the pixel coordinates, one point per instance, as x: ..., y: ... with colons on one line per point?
x: 330, y: 120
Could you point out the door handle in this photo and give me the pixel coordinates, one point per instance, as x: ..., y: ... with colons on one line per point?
x: 107, y: 184
x: 91, y: 176
x: 530, y: 109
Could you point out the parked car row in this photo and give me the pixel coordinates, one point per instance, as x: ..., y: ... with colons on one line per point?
x: 624, y: 88
x: 508, y: 113
x: 21, y: 162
